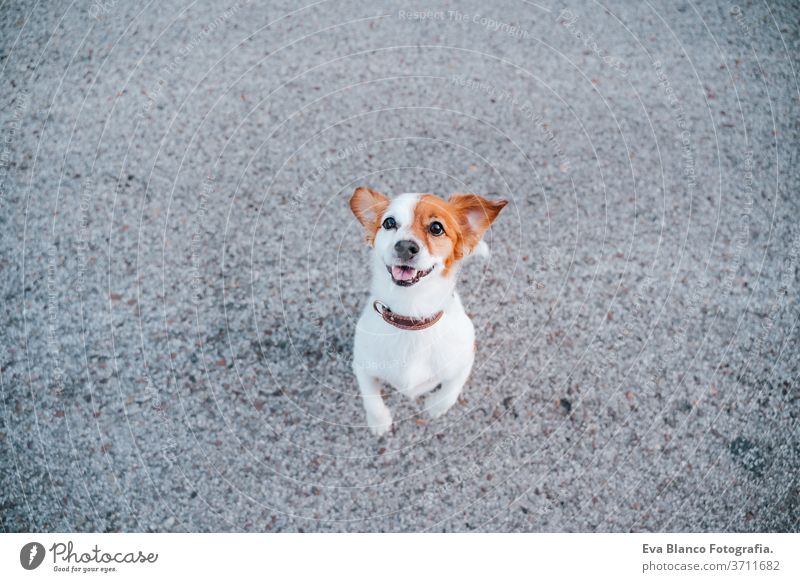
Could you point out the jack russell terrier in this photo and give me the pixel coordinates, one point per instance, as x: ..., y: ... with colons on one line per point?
x: 414, y: 333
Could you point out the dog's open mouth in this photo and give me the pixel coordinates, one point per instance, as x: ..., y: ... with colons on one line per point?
x: 406, y: 276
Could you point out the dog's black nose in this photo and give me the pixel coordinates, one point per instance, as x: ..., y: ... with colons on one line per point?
x: 406, y: 249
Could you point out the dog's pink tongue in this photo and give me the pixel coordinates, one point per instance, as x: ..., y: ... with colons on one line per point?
x: 402, y: 273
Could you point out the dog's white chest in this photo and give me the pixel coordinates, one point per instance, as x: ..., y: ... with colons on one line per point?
x: 414, y: 362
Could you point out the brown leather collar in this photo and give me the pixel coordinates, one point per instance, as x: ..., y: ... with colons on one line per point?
x: 403, y: 322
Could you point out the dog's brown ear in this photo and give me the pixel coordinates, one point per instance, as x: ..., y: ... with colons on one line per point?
x: 368, y: 206
x: 475, y: 215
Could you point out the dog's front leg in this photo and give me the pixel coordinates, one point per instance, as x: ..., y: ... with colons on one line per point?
x: 379, y: 418
x: 445, y: 397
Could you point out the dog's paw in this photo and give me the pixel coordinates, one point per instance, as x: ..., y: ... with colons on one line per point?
x: 379, y: 420
x: 436, y: 405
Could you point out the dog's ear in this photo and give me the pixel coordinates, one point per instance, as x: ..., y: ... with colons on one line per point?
x: 368, y: 206
x: 475, y: 215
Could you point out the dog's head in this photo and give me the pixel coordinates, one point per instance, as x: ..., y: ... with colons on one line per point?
x: 419, y: 237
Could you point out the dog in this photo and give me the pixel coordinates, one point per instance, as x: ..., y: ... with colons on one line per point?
x: 414, y: 334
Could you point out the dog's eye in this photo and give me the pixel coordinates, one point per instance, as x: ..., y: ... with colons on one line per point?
x: 436, y: 229
x: 389, y: 223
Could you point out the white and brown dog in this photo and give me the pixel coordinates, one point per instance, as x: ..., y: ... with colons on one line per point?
x: 413, y: 333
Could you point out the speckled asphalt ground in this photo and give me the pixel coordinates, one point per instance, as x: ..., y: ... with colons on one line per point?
x: 181, y: 273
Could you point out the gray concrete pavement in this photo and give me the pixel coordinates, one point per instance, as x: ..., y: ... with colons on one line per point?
x: 181, y: 273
